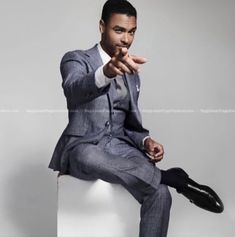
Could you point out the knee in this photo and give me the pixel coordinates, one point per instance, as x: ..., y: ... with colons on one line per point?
x: 83, y: 154
x: 82, y: 150
x: 164, y: 195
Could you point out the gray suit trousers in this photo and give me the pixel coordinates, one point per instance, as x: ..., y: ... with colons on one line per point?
x: 116, y: 161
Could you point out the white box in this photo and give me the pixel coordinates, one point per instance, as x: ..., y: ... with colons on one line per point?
x: 95, y: 209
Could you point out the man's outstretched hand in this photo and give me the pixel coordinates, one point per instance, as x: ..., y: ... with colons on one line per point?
x: 122, y: 63
x: 154, y: 149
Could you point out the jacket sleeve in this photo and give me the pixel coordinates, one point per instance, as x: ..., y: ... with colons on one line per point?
x: 78, y: 79
x: 137, y: 136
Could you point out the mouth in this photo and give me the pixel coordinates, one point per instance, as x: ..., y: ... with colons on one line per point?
x: 122, y: 46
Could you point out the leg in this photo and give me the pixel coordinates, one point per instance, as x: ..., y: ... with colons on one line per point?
x: 155, y: 213
x: 88, y: 161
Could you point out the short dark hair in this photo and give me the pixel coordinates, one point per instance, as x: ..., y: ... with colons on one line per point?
x: 119, y: 7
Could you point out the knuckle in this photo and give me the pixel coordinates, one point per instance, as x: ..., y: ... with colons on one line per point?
x: 119, y: 64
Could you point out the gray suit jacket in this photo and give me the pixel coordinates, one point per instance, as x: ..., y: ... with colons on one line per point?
x: 90, y: 107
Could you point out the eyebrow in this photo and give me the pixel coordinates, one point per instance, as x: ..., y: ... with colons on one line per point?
x: 124, y: 29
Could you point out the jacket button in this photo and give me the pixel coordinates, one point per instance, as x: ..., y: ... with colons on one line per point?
x: 107, y: 123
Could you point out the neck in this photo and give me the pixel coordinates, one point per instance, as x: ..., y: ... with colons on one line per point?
x: 105, y: 49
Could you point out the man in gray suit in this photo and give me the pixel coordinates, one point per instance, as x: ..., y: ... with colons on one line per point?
x: 104, y: 138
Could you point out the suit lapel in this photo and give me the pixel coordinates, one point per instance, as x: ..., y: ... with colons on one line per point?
x: 130, y: 81
x: 93, y: 57
x: 95, y: 61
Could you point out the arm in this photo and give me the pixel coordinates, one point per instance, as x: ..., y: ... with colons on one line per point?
x: 78, y: 80
x: 141, y: 138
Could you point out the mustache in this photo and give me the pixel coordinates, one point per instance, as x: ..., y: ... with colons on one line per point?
x: 123, y: 46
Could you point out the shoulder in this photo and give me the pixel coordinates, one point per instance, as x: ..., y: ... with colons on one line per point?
x: 79, y: 54
x: 75, y: 55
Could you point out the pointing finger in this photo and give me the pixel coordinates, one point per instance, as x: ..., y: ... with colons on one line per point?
x: 139, y: 60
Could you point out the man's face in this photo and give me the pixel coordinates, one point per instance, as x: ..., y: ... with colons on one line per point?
x: 118, y: 32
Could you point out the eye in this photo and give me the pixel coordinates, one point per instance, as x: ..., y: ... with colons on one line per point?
x: 118, y: 31
x: 132, y: 32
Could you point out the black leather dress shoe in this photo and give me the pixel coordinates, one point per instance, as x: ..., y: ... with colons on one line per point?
x: 201, y: 195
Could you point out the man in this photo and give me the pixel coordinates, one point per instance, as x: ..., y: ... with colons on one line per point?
x: 105, y: 139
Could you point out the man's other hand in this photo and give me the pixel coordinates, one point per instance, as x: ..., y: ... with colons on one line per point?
x: 154, y: 149
x: 122, y: 63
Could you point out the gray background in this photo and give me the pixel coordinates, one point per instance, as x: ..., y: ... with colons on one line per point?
x: 187, y: 101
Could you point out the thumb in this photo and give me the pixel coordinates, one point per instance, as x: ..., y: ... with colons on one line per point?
x: 120, y: 53
x: 123, y: 51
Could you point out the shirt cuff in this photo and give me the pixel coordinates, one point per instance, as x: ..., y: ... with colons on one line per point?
x: 100, y: 79
x: 144, y: 140
x: 150, y: 156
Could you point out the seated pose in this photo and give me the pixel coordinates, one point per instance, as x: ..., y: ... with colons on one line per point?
x: 105, y: 139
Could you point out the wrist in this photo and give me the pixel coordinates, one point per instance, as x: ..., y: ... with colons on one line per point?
x: 146, y: 141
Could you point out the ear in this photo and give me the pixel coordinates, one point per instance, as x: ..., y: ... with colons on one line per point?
x: 102, y: 26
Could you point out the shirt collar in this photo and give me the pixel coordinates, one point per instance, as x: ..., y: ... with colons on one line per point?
x: 104, y: 56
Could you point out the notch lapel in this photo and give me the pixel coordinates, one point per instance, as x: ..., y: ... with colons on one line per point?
x: 95, y: 61
x: 93, y: 57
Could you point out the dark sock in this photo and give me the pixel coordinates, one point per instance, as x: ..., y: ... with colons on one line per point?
x: 175, y: 178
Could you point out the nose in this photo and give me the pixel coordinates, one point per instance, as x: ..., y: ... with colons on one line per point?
x: 125, y: 39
